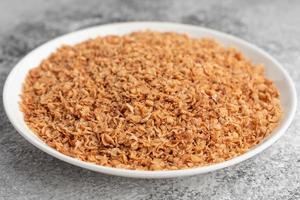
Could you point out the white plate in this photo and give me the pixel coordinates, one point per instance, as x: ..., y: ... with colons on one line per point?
x: 274, y: 71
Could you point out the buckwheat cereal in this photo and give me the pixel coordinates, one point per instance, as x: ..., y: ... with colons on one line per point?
x: 150, y: 101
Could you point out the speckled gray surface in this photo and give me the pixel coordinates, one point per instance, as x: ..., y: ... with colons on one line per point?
x: 28, y: 173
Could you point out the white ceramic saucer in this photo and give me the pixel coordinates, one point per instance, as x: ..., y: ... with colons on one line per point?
x: 274, y: 71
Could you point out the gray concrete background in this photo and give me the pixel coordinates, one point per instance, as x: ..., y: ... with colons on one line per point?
x: 28, y: 173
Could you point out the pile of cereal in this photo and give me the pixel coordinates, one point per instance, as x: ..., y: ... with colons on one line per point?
x: 150, y: 101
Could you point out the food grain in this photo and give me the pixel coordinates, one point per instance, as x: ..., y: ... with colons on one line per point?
x: 150, y: 101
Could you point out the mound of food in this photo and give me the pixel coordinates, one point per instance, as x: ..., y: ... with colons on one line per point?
x: 150, y: 101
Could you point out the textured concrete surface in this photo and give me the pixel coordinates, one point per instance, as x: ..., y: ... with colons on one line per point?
x: 28, y: 173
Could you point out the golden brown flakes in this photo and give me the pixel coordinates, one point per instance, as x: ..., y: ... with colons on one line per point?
x: 150, y: 101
